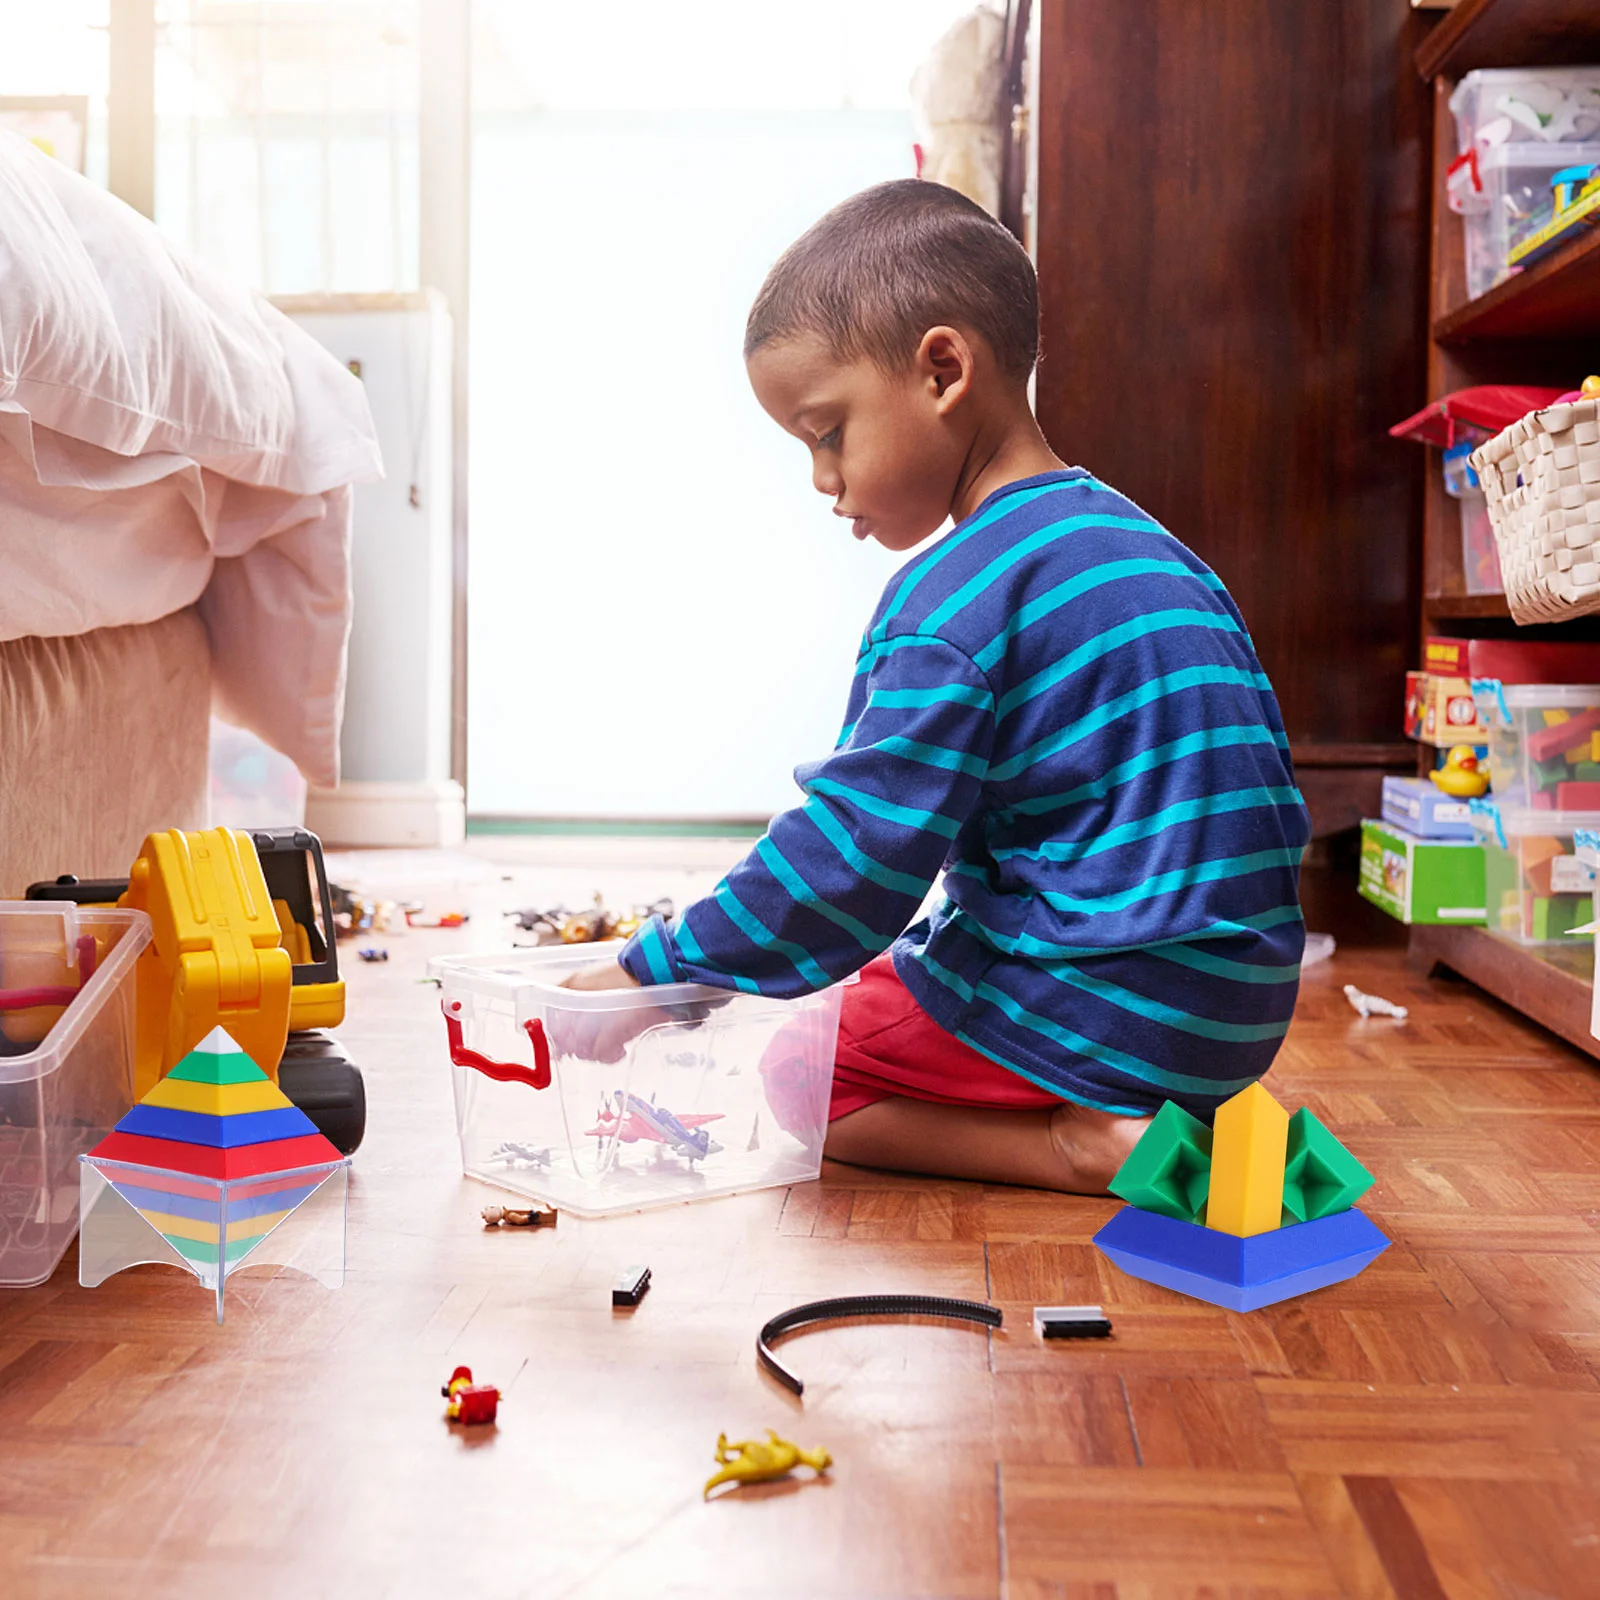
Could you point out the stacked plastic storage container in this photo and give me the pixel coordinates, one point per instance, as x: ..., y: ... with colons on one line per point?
x: 1544, y: 767
x: 1511, y: 773
x: 1516, y: 129
x: 66, y: 1066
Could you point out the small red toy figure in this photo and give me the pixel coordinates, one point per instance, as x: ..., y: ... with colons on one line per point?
x: 469, y: 1402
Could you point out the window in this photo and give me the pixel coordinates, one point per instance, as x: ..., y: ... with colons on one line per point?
x: 663, y: 612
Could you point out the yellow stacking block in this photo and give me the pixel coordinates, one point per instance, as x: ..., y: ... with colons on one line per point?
x: 1249, y: 1146
x: 217, y: 1099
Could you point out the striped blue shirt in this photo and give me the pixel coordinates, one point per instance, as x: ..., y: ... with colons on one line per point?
x: 1057, y: 704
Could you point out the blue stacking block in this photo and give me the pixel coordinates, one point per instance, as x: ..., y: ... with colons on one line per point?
x: 1241, y: 1274
x: 219, y: 1133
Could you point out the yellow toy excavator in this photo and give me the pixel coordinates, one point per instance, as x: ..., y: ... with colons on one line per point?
x: 243, y: 939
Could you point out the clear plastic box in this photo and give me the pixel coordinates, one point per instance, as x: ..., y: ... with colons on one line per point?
x: 719, y: 1093
x: 1517, y: 105
x: 1480, y: 555
x: 66, y: 1066
x: 1586, y: 846
x: 1543, y: 750
x: 1510, y: 200
x: 1538, y: 890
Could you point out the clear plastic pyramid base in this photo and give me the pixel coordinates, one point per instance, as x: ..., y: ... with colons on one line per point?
x: 133, y: 1215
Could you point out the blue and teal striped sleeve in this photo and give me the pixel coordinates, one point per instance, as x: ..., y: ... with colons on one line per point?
x: 836, y: 880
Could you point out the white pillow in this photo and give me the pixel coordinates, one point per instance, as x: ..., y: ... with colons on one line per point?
x: 109, y: 336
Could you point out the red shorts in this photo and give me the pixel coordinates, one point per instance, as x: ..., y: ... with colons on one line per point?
x: 888, y: 1045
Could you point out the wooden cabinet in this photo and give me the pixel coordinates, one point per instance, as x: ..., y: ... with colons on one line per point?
x: 1542, y: 326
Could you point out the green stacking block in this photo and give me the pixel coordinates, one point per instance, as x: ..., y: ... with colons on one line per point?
x: 1586, y: 772
x: 1547, y: 774
x: 1321, y: 1176
x: 1169, y: 1170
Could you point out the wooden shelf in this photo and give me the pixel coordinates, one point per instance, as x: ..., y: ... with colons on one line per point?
x: 1511, y: 33
x: 1553, y: 984
x: 1558, y: 297
x: 1465, y: 607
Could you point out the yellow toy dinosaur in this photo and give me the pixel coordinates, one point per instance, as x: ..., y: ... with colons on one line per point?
x: 752, y: 1461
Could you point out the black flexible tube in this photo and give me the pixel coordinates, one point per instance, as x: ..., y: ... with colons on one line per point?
x: 863, y: 1305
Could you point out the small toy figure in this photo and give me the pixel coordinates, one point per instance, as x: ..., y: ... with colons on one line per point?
x: 352, y: 914
x: 558, y: 925
x: 521, y: 1155
x: 629, y: 1289
x: 469, y: 1402
x: 532, y: 1217
x: 1373, y: 1005
x: 757, y: 1461
x: 447, y: 919
x: 588, y: 927
x: 1460, y: 775
x: 1071, y: 1322
x: 371, y: 952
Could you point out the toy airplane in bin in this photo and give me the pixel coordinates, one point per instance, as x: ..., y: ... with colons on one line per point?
x: 630, y: 1119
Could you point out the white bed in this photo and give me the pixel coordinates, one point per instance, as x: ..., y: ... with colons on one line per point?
x: 175, y: 468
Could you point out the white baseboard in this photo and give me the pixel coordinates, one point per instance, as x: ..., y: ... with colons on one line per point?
x: 394, y: 815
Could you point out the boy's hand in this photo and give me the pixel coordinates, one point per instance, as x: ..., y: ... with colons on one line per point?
x: 601, y: 1035
x: 604, y: 975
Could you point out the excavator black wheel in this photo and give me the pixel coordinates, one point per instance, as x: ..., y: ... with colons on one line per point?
x: 326, y: 1084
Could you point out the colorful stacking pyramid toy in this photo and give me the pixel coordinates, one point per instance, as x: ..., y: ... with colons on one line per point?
x: 1249, y: 1212
x: 204, y: 1170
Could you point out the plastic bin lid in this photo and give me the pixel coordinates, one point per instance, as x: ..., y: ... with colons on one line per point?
x: 1519, y: 822
x: 537, y: 975
x: 1531, y: 153
x: 1536, y: 696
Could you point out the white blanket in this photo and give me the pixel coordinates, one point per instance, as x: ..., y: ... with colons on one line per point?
x: 167, y: 437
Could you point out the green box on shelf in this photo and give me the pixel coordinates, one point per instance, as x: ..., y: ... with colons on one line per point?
x: 1422, y: 880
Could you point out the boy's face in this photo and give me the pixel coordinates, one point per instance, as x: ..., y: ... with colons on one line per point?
x: 887, y: 448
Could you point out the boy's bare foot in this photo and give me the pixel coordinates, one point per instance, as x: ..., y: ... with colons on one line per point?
x: 1071, y: 1148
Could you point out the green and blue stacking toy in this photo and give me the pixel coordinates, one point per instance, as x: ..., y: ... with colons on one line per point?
x: 210, y: 1172
x: 1252, y: 1211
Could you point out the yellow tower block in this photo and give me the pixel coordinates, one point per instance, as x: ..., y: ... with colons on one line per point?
x: 1249, y: 1146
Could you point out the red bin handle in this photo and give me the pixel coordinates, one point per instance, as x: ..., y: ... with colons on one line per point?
x: 500, y: 1071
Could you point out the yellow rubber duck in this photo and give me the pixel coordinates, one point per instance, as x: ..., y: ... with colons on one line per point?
x: 1460, y: 776
x: 1591, y: 388
x: 752, y: 1461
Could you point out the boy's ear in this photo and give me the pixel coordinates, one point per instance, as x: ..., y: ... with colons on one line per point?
x: 945, y: 365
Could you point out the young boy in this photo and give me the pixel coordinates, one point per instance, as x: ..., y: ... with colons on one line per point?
x: 1056, y: 703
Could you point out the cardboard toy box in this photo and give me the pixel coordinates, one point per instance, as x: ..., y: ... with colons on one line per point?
x: 1424, y: 809
x: 1441, y: 710
x: 1422, y: 880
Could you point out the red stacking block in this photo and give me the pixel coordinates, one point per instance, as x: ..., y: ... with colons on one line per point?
x: 207, y: 1161
x: 1561, y: 737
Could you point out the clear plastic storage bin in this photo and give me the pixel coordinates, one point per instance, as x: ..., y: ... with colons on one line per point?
x: 717, y: 1093
x: 1480, y: 555
x: 66, y: 1066
x: 1510, y: 199
x: 1515, y: 105
x: 1538, y: 890
x: 1544, y: 743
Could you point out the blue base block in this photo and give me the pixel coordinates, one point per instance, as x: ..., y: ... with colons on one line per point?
x: 1241, y: 1274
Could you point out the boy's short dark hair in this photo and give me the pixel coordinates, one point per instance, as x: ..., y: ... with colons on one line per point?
x: 886, y: 265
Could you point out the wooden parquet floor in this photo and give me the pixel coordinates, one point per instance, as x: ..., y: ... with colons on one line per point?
x: 1430, y: 1429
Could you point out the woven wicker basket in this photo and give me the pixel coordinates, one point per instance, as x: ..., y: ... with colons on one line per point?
x: 1541, y: 477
